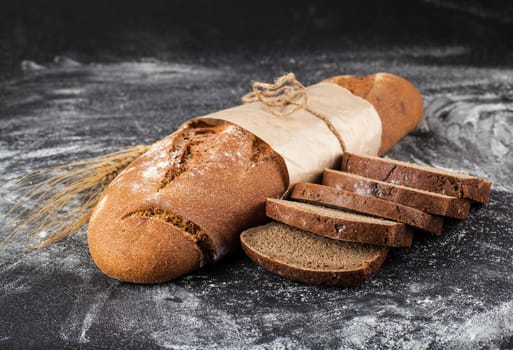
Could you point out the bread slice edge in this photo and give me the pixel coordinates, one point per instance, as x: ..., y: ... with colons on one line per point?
x: 342, y: 278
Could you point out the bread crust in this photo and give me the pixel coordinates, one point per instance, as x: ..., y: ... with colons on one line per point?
x: 184, y: 203
x: 142, y: 250
x: 397, y: 101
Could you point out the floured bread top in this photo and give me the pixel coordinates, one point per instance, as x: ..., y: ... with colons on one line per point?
x: 205, y: 182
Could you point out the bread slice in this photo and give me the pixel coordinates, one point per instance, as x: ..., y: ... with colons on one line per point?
x: 429, y: 202
x: 339, y: 224
x: 302, y: 256
x: 331, y: 196
x: 417, y: 176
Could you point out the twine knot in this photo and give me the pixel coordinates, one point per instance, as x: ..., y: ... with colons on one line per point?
x: 286, y: 96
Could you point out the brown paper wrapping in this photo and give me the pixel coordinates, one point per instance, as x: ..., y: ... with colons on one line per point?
x: 303, y: 140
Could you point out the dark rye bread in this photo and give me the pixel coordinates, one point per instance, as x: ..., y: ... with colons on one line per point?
x: 184, y: 203
x: 302, y: 256
x: 429, y: 202
x: 330, y: 196
x: 161, y: 217
x: 339, y: 224
x: 397, y: 101
x: 417, y: 176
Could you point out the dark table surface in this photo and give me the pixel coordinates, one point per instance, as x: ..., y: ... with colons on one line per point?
x: 81, y: 81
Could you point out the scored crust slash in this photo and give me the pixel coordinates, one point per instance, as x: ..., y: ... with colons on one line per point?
x: 184, y: 201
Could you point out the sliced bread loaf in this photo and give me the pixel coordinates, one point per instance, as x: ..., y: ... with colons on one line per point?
x: 429, y: 202
x: 417, y: 176
x: 339, y: 224
x: 302, y: 256
x: 330, y: 196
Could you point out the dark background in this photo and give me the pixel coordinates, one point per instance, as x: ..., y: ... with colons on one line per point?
x: 79, y: 79
x: 110, y: 30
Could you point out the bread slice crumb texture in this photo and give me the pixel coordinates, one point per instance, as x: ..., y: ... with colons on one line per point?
x: 307, y: 251
x: 429, y: 202
x: 418, y: 176
x: 339, y: 224
x: 330, y: 196
x: 335, y: 213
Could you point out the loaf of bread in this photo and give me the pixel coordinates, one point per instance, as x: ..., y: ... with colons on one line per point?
x: 429, y: 202
x: 185, y: 202
x: 302, y: 256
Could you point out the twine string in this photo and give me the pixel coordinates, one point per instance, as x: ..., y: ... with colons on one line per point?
x: 286, y: 96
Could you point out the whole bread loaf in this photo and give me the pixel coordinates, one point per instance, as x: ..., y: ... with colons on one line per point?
x: 184, y: 202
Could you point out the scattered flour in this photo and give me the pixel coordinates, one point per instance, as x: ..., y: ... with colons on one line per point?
x: 183, y: 315
x: 47, y: 152
x: 83, y: 313
x: 152, y: 172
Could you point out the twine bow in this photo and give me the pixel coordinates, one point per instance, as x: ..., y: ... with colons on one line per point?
x: 286, y: 96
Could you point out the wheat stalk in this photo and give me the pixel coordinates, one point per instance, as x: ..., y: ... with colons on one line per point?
x: 58, y: 205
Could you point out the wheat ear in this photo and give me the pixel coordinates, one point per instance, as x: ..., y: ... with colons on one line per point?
x: 57, y: 201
